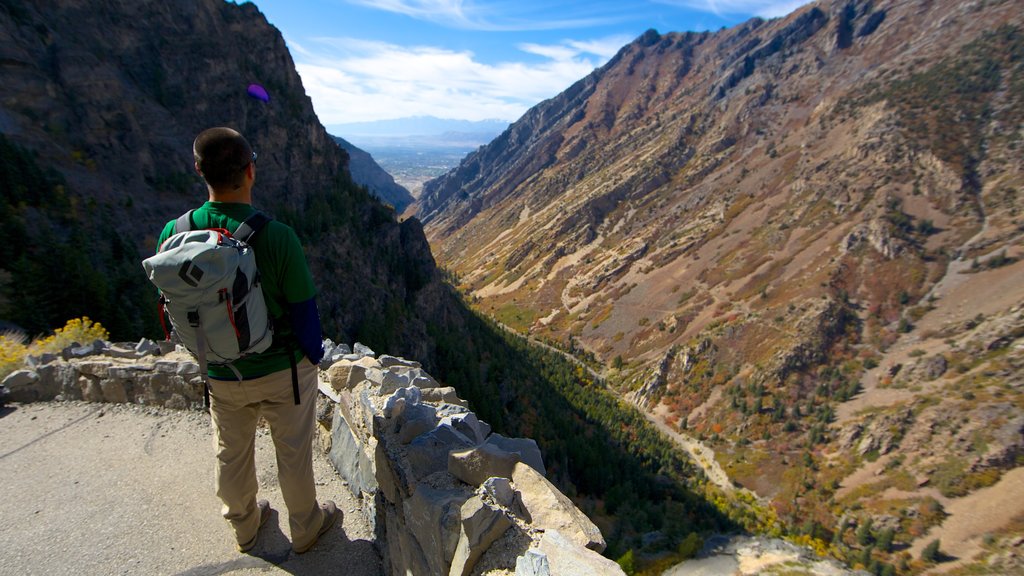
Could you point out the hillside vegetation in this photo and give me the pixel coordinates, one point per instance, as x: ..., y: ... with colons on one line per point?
x: 798, y: 240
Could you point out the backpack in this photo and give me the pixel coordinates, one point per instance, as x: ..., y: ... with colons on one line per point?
x: 210, y: 288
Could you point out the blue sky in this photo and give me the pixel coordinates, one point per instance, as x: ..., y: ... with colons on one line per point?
x: 364, y: 60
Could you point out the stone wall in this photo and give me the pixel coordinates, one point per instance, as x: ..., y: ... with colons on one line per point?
x: 444, y: 493
x: 144, y: 373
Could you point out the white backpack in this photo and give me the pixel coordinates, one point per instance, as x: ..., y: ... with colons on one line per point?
x: 210, y: 290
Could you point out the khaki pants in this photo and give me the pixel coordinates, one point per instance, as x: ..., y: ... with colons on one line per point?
x: 236, y: 408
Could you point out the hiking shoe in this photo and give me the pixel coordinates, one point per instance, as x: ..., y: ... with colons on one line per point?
x: 265, y: 510
x: 331, y: 515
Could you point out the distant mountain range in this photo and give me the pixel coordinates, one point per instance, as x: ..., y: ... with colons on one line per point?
x: 416, y: 126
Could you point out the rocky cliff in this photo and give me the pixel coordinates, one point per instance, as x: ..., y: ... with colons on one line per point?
x: 747, y: 227
x: 103, y: 99
x: 366, y: 172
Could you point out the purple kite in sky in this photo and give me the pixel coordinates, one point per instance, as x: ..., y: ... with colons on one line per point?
x: 258, y: 92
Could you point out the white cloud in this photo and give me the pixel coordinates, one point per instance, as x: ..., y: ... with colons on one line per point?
x: 762, y: 8
x: 494, y: 17
x: 352, y: 80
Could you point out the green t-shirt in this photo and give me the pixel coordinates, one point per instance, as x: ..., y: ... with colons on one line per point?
x: 285, y: 279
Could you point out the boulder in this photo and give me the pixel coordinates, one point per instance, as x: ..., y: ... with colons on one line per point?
x: 363, y: 350
x: 445, y: 394
x: 525, y: 448
x: 533, y: 563
x: 415, y: 421
x: 434, y: 518
x: 481, y: 526
x: 476, y: 465
x: 22, y: 386
x: 500, y: 490
x: 549, y: 509
x: 349, y: 458
x: 934, y: 367
x: 346, y: 374
x: 565, y: 558
x: 428, y: 453
x: 470, y: 425
x: 393, y: 381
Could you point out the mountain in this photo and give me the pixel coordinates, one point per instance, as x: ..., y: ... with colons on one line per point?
x: 799, y: 240
x: 101, y: 101
x: 367, y: 172
x: 417, y: 126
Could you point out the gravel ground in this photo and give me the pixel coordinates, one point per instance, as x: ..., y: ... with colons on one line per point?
x: 120, y: 489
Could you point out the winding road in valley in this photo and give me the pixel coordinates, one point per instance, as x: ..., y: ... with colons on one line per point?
x: 701, y: 455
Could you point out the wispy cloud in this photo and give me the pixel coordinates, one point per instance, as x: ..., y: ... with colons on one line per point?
x: 499, y: 17
x: 353, y: 80
x: 762, y: 8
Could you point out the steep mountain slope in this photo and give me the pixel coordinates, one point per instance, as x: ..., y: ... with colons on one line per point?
x: 366, y: 172
x: 99, y: 103
x: 754, y: 229
x: 106, y: 97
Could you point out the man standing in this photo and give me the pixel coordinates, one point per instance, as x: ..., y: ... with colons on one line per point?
x: 280, y: 383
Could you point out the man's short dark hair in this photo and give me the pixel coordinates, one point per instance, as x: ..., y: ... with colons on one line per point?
x: 222, y: 154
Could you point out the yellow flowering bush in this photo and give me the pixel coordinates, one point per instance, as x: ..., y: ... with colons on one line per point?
x: 81, y: 330
x: 12, y: 352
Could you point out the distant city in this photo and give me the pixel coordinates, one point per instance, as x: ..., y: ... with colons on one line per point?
x: 414, y: 150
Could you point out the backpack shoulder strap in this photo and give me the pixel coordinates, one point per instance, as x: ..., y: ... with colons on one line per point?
x: 253, y: 224
x: 184, y: 222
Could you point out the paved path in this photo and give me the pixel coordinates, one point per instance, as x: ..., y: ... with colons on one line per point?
x: 117, y: 489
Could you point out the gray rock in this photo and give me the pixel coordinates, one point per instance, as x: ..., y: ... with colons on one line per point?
x: 346, y: 374
x: 424, y: 382
x: 481, y: 526
x: 363, y: 350
x: 428, y: 453
x: 113, y: 391
x: 434, y: 518
x: 549, y: 509
x: 187, y: 369
x: 41, y: 360
x: 348, y: 456
x: 146, y: 347
x: 476, y: 465
x: 470, y: 425
x: 20, y: 379
x: 393, y: 381
x: 533, y: 563
x: 117, y: 351
x: 566, y: 558
x: 416, y: 421
x: 500, y: 489
x: 934, y: 367
x: 166, y: 366
x: 391, y: 361
x: 446, y: 394
x: 525, y: 448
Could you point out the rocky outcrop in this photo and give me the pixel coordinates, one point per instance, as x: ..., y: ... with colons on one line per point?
x: 446, y: 494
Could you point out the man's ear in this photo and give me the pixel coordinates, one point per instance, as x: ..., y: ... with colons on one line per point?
x: 198, y: 171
